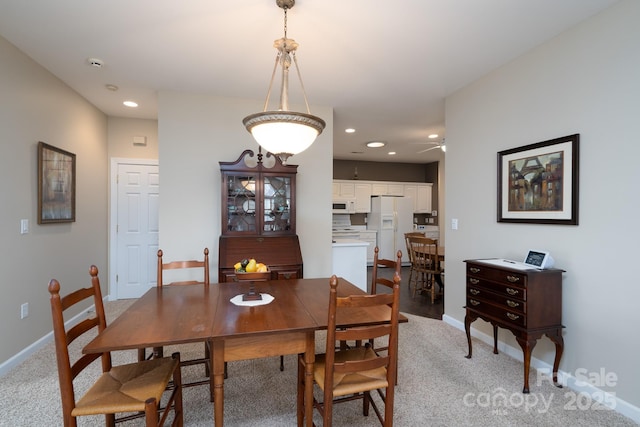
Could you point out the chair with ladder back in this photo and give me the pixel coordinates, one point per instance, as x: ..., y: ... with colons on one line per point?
x: 191, y: 272
x: 354, y: 373
x: 134, y: 390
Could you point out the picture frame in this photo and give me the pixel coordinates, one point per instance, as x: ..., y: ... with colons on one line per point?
x: 56, y: 185
x: 538, y: 183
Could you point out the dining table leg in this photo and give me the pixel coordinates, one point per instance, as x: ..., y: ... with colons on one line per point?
x: 309, y: 359
x: 211, y: 385
x: 217, y: 357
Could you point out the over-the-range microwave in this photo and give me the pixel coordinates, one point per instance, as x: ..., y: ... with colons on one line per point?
x: 345, y: 206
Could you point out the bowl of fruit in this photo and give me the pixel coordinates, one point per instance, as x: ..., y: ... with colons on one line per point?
x: 250, y: 265
x: 249, y: 270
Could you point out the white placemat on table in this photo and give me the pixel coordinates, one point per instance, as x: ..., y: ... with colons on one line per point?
x: 266, y: 299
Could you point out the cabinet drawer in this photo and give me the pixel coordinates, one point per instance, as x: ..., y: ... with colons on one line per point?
x: 496, y: 274
x: 506, y: 290
x: 286, y: 274
x: 508, y: 317
x: 508, y: 303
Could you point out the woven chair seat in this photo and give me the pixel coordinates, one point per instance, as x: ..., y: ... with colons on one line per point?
x: 345, y: 384
x: 125, y: 388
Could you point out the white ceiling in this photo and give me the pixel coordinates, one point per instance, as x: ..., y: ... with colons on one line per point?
x: 385, y: 67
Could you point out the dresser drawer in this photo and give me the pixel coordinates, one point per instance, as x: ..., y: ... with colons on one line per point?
x: 508, y: 303
x: 505, y: 289
x: 287, y: 274
x: 277, y: 273
x: 497, y: 274
x: 498, y: 312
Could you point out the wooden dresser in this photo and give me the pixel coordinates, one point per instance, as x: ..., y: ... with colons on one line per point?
x: 526, y: 302
x: 281, y: 253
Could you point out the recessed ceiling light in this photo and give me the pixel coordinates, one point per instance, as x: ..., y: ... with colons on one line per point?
x: 433, y: 136
x: 349, y: 130
x: 392, y: 153
x: 376, y: 144
x: 111, y: 87
x: 130, y: 104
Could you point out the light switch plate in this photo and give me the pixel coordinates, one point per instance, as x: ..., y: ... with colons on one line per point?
x: 24, y: 226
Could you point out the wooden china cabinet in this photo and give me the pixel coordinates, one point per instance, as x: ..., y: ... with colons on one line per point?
x: 259, y: 216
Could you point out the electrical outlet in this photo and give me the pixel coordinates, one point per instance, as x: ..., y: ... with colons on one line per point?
x: 454, y: 223
x: 24, y: 310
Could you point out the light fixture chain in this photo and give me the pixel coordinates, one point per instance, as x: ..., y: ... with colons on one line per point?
x: 285, y: 22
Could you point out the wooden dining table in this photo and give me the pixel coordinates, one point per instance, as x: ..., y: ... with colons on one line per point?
x: 204, y: 313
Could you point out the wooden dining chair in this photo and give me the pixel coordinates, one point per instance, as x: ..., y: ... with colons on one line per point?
x: 354, y: 373
x: 134, y: 390
x: 378, y: 278
x: 191, y: 272
x: 426, y: 266
x: 409, y: 253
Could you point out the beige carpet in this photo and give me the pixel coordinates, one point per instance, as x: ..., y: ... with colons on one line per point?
x: 438, y: 386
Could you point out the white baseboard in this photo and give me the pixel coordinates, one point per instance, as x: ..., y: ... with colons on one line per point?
x: 23, y: 355
x: 608, y: 399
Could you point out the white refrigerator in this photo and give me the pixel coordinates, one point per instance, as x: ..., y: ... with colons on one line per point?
x: 391, y: 217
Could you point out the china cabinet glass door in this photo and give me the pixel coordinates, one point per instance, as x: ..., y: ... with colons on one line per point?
x: 258, y: 199
x: 241, y: 203
x: 277, y: 203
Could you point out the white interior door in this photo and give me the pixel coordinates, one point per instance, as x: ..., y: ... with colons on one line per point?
x: 135, y: 230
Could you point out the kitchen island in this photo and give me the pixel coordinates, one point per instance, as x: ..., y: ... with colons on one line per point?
x: 350, y: 261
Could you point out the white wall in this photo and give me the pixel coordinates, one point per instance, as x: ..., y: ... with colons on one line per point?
x: 36, y: 106
x: 198, y: 131
x: 121, y: 132
x: 584, y: 81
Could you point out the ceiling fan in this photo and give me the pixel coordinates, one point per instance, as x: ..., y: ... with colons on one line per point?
x: 433, y: 144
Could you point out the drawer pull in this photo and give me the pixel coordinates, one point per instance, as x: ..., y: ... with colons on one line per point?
x: 286, y: 275
x: 474, y: 291
x: 474, y: 302
x: 513, y: 279
x: 512, y: 291
x: 513, y: 316
x: 512, y: 304
x: 474, y: 269
x: 473, y: 281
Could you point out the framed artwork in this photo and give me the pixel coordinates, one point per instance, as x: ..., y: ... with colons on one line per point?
x: 56, y: 185
x: 538, y: 183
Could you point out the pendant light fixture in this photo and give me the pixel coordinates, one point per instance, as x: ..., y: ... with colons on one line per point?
x: 283, y: 132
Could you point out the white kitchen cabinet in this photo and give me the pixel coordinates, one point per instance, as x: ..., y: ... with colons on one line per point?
x: 362, y: 191
x: 344, y: 189
x: 421, y: 195
x: 379, y: 188
x: 395, y: 189
x: 410, y: 191
x: 363, y: 197
x: 369, y: 236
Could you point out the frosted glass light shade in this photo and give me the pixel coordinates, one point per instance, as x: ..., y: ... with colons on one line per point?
x: 284, y: 132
